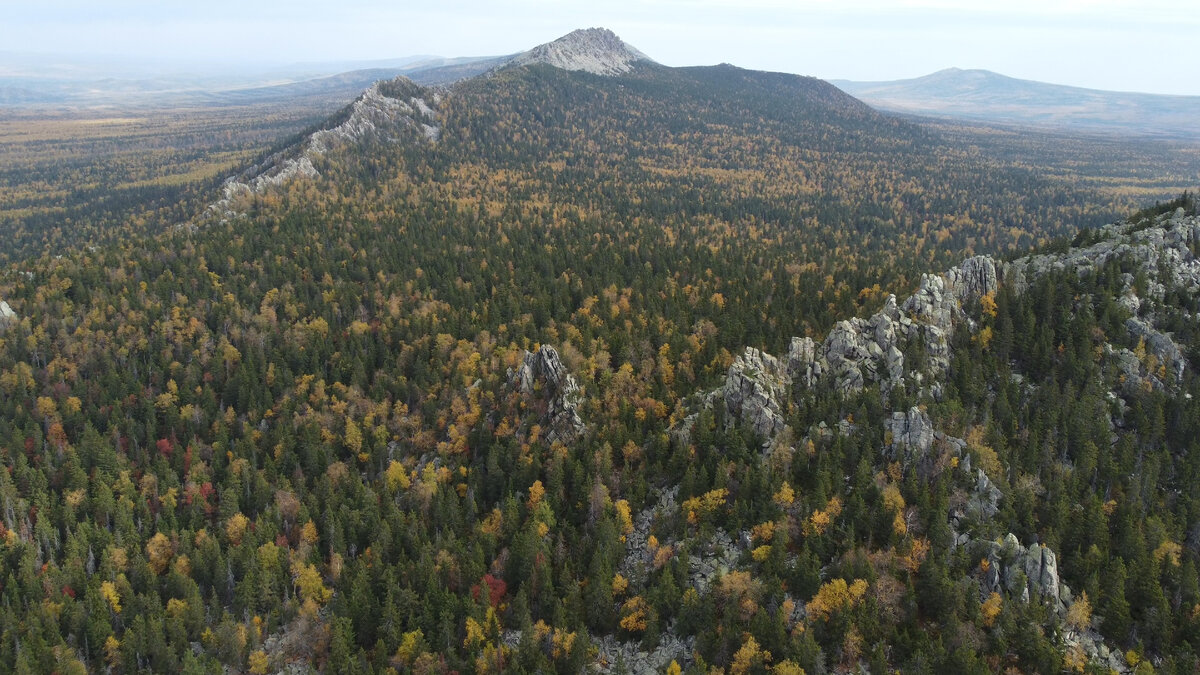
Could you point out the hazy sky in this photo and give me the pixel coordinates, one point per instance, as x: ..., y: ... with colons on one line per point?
x: 1140, y: 45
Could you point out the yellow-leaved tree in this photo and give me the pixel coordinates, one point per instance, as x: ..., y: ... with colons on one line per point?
x: 159, y: 552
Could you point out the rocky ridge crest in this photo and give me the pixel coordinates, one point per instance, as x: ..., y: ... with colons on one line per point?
x: 391, y: 109
x: 858, y: 353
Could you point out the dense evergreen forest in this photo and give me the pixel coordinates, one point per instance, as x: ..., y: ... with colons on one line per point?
x: 299, y: 434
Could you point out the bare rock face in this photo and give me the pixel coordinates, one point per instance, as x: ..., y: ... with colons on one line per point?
x: 1160, y: 344
x: 1161, y: 248
x: 973, y: 279
x: 756, y: 391
x: 848, y: 355
x: 375, y: 112
x: 855, y: 353
x: 984, y: 501
x: 593, y: 50
x: 912, y: 433
x: 802, y: 361
x: 543, y: 375
x: 7, y: 315
x: 1027, y: 573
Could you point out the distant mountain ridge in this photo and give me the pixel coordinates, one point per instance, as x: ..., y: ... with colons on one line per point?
x: 595, y: 50
x: 982, y: 95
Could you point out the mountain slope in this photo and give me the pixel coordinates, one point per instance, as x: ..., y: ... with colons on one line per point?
x: 450, y: 385
x: 986, y: 96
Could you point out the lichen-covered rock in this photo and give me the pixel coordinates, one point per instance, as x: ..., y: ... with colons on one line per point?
x: 1026, y: 573
x: 543, y: 375
x: 1159, y: 344
x: 639, y: 556
x: 802, y: 362
x: 973, y: 279
x: 1161, y: 248
x: 613, y: 655
x: 756, y: 392
x: 912, y: 433
x: 984, y: 501
x: 7, y: 315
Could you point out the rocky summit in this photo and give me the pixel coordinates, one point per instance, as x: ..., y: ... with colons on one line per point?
x: 593, y: 50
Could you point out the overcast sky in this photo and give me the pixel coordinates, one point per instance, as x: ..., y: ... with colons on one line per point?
x: 1133, y: 45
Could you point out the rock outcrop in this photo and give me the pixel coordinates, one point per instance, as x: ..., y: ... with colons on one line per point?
x: 7, y: 315
x: 1158, y: 344
x: 593, y: 50
x: 912, y: 433
x: 858, y: 352
x: 543, y: 376
x: 615, y: 656
x: 1162, y: 248
x: 1028, y: 573
x: 756, y: 391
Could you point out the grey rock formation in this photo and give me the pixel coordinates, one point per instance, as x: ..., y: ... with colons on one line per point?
x: 7, y: 315
x: 594, y: 50
x: 1162, y: 251
x: 1161, y: 248
x: 1159, y: 344
x: 714, y: 558
x: 848, y: 355
x: 861, y: 352
x: 614, y: 656
x: 854, y: 354
x: 376, y: 113
x: 1028, y: 573
x: 756, y: 392
x: 973, y: 279
x: 802, y: 361
x: 983, y: 503
x: 912, y: 433
x: 639, y: 559
x: 543, y: 375
x: 1097, y: 652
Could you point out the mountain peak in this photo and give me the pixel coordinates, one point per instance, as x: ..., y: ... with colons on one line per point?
x: 595, y: 50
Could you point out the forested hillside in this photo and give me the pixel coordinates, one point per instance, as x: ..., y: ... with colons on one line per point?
x: 432, y: 399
